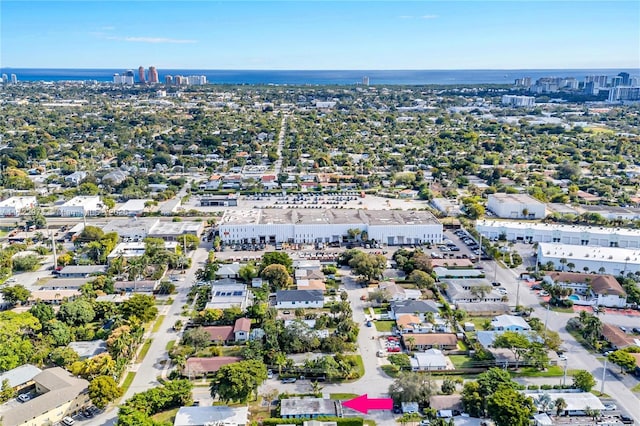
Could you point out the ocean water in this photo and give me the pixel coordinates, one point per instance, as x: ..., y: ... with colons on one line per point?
x: 323, y: 77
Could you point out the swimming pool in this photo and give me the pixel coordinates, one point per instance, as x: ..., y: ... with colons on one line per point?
x: 574, y: 297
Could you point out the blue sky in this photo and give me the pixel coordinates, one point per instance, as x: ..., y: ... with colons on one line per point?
x: 320, y: 34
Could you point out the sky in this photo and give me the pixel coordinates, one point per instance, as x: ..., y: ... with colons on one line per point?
x: 320, y: 35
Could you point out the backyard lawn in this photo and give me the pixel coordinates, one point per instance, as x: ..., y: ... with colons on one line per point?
x: 384, y: 326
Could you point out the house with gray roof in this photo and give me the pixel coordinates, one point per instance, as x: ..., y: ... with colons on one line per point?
x: 89, y: 349
x: 300, y: 408
x: 292, y: 299
x: 81, y: 271
x: 413, y: 307
x: 205, y: 416
x: 20, y: 377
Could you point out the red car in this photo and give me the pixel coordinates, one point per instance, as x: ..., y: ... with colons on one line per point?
x: 394, y: 349
x: 393, y: 339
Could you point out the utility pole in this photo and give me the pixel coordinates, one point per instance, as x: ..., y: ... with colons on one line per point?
x: 55, y: 256
x: 564, y: 377
x: 517, y: 293
x: 604, y: 375
x: 546, y: 317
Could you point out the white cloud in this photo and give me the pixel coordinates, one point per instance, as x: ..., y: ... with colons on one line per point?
x: 157, y: 40
x: 406, y: 17
x: 429, y: 16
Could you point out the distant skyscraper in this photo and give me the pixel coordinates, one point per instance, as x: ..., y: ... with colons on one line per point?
x: 5, y: 78
x: 141, y: 78
x: 168, y: 80
x: 14, y: 78
x: 153, y: 75
x: 625, y: 78
x: 365, y: 81
x: 599, y: 80
x: 617, y: 81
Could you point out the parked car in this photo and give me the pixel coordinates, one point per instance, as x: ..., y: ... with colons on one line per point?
x: 394, y: 349
x: 626, y: 420
x: 289, y: 380
x: 543, y: 293
x: 610, y: 407
x: 68, y: 421
x: 496, y: 284
x: 269, y: 374
x: 536, y: 287
x: 24, y: 397
x: 369, y: 324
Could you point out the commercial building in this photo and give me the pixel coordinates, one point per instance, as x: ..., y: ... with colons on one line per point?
x: 577, y: 403
x: 58, y: 394
x: 516, y: 206
x: 392, y: 227
x: 604, y: 260
x: 131, y: 208
x: 15, y: 206
x: 82, y: 206
x: 534, y: 232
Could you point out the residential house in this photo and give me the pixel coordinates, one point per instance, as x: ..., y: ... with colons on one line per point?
x: 228, y: 270
x: 228, y: 293
x: 75, y: 178
x: 509, y: 323
x: 409, y: 323
x: 416, y: 307
x: 221, y: 334
x: 617, y: 338
x: 471, y: 290
x: 429, y: 360
x: 202, y: 367
x: 422, y: 342
x: 292, y: 299
x: 132, y: 208
x: 269, y: 182
x: 139, y: 286
x: 311, y: 285
x: 597, y: 290
x: 484, y: 309
x: 57, y: 394
x: 300, y: 408
x: 213, y: 415
x: 81, y: 271
x: 446, y: 402
x: 88, y: 349
x: 20, y: 377
x: 577, y: 402
x: 115, y: 177
x: 442, y: 272
x: 242, y: 329
x: 396, y: 292
x: 53, y: 297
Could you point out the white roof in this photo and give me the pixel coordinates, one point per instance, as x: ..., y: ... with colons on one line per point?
x: 589, y: 253
x: 219, y: 414
x: 20, y: 375
x: 505, y: 321
x: 19, y: 202
x: 513, y: 198
x: 576, y: 401
x: 430, y: 358
x: 538, y: 226
x: 86, y: 201
x: 132, y: 205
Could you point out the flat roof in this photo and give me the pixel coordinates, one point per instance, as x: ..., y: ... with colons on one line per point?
x: 514, y: 198
x: 327, y: 217
x: 576, y: 401
x: 308, y: 406
x: 83, y: 200
x: 220, y: 414
x: 590, y: 253
x: 175, y: 228
x: 20, y: 375
x: 133, y: 205
x: 539, y: 226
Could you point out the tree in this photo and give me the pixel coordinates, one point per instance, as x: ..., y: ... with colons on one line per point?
x: 277, y: 275
x: 15, y: 294
x: 36, y: 218
x: 6, y: 392
x: 191, y: 240
x: 369, y: 266
x: 517, y: 343
x: 26, y: 263
x: 276, y: 257
x: 422, y: 279
x: 63, y: 356
x: 560, y: 405
x: 197, y: 337
x: 103, y: 390
x: 90, y: 233
x: 408, y: 387
x: 472, y: 399
x: 238, y: 381
x: 583, y: 380
x: 508, y: 407
x: 78, y: 312
x: 448, y: 386
x: 142, y: 306
x: 623, y: 359
x: 248, y: 272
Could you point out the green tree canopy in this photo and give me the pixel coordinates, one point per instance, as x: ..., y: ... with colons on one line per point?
x: 103, y: 390
x: 508, y: 407
x: 77, y: 312
x: 583, y: 380
x: 15, y: 294
x: 238, y: 381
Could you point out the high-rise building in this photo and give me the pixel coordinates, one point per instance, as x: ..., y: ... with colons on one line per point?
x: 624, y: 93
x: 518, y: 101
x: 365, y: 81
x: 14, y: 78
x: 141, y: 77
x: 625, y: 78
x: 523, y: 82
x: 5, y: 78
x: 599, y: 80
x: 153, y: 75
x: 616, y: 81
x: 126, y: 78
x: 168, y: 80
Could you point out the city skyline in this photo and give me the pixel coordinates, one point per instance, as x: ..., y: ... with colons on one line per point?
x: 318, y: 35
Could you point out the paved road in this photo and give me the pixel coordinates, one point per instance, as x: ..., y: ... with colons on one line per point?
x: 277, y: 167
x: 578, y: 357
x: 156, y: 359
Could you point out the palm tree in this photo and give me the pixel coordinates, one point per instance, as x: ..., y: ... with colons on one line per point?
x: 411, y: 342
x: 561, y: 405
x: 563, y: 262
x: 571, y: 266
x: 544, y: 402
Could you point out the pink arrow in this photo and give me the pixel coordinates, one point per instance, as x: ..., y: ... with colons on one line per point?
x: 363, y: 404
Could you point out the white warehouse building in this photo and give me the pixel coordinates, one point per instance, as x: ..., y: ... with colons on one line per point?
x: 605, y: 260
x: 534, y: 232
x: 392, y: 227
x: 516, y: 206
x: 15, y: 206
